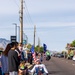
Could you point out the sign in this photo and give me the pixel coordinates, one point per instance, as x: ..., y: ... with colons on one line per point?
x: 25, y: 42
x: 32, y: 49
x: 13, y: 38
x: 45, y: 47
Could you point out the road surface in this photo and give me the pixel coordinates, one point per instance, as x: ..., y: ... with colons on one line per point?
x: 60, y: 66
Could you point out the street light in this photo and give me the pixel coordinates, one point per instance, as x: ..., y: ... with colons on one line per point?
x: 19, y: 32
x: 15, y: 30
x: 25, y: 38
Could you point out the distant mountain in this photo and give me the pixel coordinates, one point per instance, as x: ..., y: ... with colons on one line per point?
x: 3, y: 43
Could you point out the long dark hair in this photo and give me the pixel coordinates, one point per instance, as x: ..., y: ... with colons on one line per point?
x: 8, y: 47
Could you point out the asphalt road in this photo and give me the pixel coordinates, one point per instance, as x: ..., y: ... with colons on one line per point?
x: 60, y: 66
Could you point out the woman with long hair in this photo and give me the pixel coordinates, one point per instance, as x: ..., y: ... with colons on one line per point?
x: 4, y: 59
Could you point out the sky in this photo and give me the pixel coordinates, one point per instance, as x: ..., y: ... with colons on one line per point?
x: 54, y: 21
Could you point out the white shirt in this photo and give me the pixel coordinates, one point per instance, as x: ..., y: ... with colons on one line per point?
x: 39, y: 65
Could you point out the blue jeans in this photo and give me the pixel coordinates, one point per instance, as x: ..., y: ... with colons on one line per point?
x: 13, y: 73
x: 42, y: 74
x: 1, y: 73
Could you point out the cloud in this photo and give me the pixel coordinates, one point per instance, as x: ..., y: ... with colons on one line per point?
x: 51, y: 24
x: 37, y: 6
x: 8, y: 7
x: 43, y: 6
x: 49, y: 16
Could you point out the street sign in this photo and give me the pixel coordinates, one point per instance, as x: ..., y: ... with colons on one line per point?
x: 13, y: 38
x: 25, y: 42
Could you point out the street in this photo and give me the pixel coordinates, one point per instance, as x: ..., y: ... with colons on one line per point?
x: 60, y: 66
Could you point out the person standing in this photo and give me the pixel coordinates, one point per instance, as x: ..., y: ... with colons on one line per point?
x: 48, y: 57
x: 4, y: 60
x: 20, y: 47
x: 41, y: 57
x: 13, y: 60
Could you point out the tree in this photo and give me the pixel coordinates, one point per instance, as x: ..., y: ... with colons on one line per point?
x: 73, y: 43
x: 36, y: 48
x: 29, y: 46
x: 39, y: 49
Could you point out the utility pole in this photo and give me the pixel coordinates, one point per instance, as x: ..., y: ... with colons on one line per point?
x: 38, y: 44
x: 21, y: 22
x: 18, y: 33
x: 27, y: 39
x: 15, y: 30
x: 34, y: 34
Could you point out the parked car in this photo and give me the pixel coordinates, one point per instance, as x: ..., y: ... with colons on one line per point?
x: 60, y: 55
x: 73, y: 58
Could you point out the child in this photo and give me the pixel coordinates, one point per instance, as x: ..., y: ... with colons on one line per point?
x: 23, y: 70
x: 39, y: 68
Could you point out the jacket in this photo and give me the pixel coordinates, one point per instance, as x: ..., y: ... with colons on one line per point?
x: 13, y: 60
x: 4, y: 63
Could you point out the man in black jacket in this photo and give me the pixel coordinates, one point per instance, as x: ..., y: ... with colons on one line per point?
x: 13, y: 60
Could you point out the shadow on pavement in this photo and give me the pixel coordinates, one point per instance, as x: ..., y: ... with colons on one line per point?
x: 54, y: 72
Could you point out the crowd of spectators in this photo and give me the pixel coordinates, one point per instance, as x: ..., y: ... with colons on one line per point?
x: 14, y: 58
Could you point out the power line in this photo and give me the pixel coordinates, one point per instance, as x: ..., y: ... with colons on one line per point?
x: 16, y: 3
x: 29, y: 17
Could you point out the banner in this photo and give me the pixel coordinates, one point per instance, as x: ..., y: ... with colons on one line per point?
x: 32, y: 49
x: 13, y: 39
x: 45, y: 47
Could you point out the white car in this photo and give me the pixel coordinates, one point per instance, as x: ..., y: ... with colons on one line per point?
x: 73, y: 58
